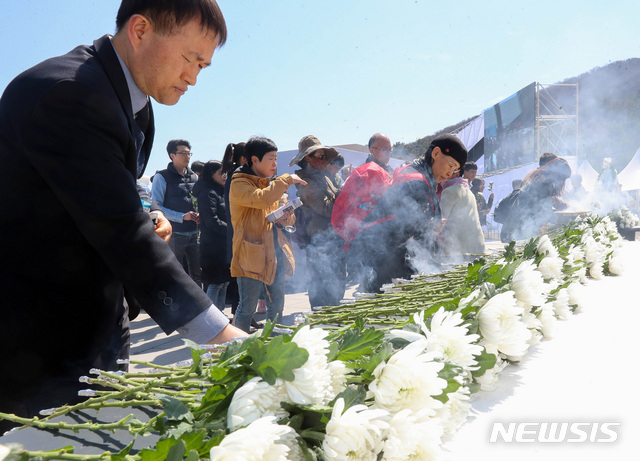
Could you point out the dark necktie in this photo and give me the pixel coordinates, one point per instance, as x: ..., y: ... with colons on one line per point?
x: 142, y: 118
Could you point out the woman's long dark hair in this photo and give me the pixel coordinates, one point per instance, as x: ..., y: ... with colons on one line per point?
x: 232, y: 155
x: 475, y: 185
x: 551, y: 176
x: 211, y: 167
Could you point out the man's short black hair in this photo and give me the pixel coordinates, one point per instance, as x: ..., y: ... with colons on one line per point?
x: 169, y: 15
x: 258, y: 147
x: 546, y: 158
x: 516, y: 183
x: 469, y: 166
x: 172, y: 146
x: 197, y: 166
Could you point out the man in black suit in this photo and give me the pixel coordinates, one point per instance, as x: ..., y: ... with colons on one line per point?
x: 73, y: 235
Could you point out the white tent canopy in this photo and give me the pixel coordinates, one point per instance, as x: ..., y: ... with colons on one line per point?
x: 589, y: 175
x: 471, y: 134
x: 629, y: 178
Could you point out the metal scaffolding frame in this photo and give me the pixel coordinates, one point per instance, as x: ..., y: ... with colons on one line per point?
x: 556, y: 125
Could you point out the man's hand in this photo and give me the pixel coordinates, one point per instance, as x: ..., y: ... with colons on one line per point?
x: 163, y: 227
x: 191, y: 216
x: 227, y: 334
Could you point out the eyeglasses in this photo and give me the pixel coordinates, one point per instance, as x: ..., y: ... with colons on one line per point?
x: 383, y: 149
x: 453, y: 167
x: 189, y: 154
x: 321, y: 156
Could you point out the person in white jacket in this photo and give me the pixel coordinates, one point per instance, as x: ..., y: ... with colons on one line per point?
x: 462, y: 234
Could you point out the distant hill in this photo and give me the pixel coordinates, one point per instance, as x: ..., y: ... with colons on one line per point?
x: 608, y: 116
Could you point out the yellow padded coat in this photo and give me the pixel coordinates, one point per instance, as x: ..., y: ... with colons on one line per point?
x: 251, y: 199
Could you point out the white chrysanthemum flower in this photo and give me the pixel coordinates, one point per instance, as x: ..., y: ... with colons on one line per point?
x: 561, y: 304
x: 575, y: 290
x: 596, y: 271
x: 551, y: 268
x: 548, y: 320
x: 594, y: 255
x: 313, y: 380
x: 575, y: 254
x: 528, y: 284
x: 532, y: 323
x: 449, y: 338
x: 600, y: 228
x: 406, y: 335
x: 262, y: 440
x: 408, y: 379
x: 500, y: 322
x: 290, y: 439
x: 455, y: 411
x: 357, y: 434
x: 611, y: 228
x: 581, y: 274
x: 615, y: 262
x: 489, y: 380
x: 254, y: 400
x: 545, y: 246
x: 411, y: 436
x: 338, y: 371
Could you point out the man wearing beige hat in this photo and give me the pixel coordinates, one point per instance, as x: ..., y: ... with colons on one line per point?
x: 325, y: 259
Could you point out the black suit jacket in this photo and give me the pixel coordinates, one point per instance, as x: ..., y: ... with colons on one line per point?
x: 72, y: 231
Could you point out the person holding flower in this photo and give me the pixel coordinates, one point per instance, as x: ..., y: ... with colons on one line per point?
x: 262, y: 252
x: 484, y: 206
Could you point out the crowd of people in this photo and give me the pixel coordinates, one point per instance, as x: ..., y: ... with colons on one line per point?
x: 387, y: 224
x: 366, y: 225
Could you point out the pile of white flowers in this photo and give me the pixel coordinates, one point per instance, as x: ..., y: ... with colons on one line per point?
x: 410, y: 404
x: 625, y: 218
x: 359, y: 393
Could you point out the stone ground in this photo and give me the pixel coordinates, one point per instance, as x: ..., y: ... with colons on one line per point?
x: 150, y: 344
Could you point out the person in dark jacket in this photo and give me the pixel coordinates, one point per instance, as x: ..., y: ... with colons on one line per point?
x: 213, y: 232
x: 71, y: 146
x: 533, y: 210
x: 408, y: 211
x: 234, y: 157
x: 325, y: 258
x: 173, y: 191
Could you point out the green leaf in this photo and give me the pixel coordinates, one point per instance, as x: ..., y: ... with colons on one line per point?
x: 192, y: 456
x: 175, y: 409
x: 450, y: 371
x: 161, y: 451
x: 177, y: 452
x: 368, y: 365
x: 352, y: 395
x: 452, y: 386
x: 486, y: 361
x: 356, y: 343
x: 277, y: 359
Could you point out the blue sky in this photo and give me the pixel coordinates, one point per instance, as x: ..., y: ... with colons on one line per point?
x: 343, y: 70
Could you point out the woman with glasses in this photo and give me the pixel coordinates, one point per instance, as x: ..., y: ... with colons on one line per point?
x: 399, y: 235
